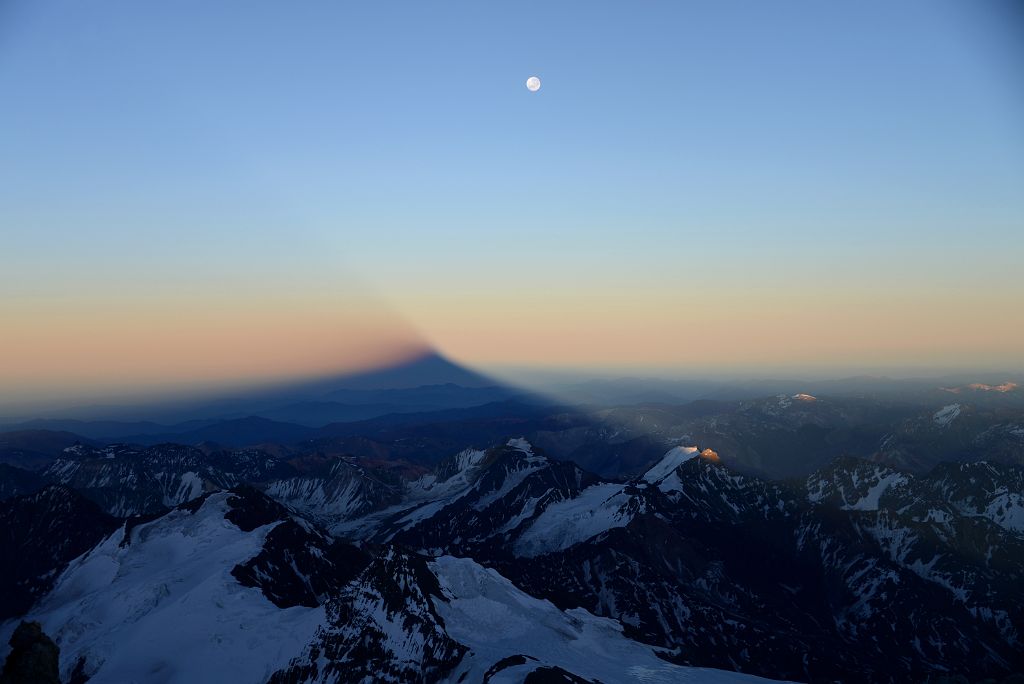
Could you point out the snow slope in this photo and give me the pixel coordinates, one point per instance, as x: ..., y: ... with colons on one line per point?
x: 432, y: 493
x: 487, y: 613
x: 1006, y: 509
x: 345, y: 491
x: 597, y: 509
x: 869, y: 502
x: 165, y: 608
x: 946, y: 415
x: 423, y: 498
x: 669, y: 462
x: 858, y: 488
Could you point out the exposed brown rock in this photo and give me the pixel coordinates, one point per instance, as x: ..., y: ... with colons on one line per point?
x: 33, y: 658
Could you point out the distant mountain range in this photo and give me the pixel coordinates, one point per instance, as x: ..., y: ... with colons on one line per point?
x: 429, y: 383
x: 775, y: 437
x: 668, y: 390
x: 426, y: 382
x: 284, y: 413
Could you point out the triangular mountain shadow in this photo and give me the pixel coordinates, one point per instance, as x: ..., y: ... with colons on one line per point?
x: 426, y: 381
x: 428, y: 368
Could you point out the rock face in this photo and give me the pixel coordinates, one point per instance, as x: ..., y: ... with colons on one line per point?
x: 33, y: 658
x: 382, y: 627
x: 300, y: 565
x: 39, y: 535
x: 18, y: 481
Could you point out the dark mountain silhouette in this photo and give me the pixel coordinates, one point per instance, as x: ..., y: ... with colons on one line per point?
x: 429, y: 368
x: 100, y: 430
x: 426, y: 382
x: 34, y: 449
x: 248, y: 431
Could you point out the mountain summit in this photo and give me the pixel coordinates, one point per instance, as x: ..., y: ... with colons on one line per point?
x: 428, y: 368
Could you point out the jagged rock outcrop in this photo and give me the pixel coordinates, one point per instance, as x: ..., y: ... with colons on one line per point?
x: 33, y: 658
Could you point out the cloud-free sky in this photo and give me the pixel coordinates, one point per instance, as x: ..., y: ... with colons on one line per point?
x: 197, y: 190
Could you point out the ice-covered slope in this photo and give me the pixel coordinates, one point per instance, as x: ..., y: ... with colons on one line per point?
x: 166, y: 608
x: 474, y: 498
x: 598, y: 508
x: 420, y: 498
x: 685, y: 481
x: 409, y: 619
x: 498, y: 622
x: 336, y: 492
x: 669, y: 462
x: 946, y: 415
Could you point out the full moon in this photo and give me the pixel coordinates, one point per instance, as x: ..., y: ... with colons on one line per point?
x: 533, y: 84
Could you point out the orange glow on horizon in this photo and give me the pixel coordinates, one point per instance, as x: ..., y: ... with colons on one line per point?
x: 723, y: 328
x: 105, y: 345
x: 55, y: 349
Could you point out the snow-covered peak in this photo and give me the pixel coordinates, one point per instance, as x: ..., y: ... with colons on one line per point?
x: 669, y: 462
x: 521, y: 444
x: 467, y: 459
x: 604, y: 506
x: 946, y: 414
x: 460, y: 467
x: 801, y: 396
x: 129, y: 611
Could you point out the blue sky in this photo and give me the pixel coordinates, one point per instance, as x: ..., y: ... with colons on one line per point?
x: 676, y: 151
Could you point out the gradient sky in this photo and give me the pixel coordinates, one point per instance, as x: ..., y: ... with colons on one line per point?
x: 198, y: 190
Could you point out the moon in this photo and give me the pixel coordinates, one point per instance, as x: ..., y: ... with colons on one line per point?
x: 533, y: 84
